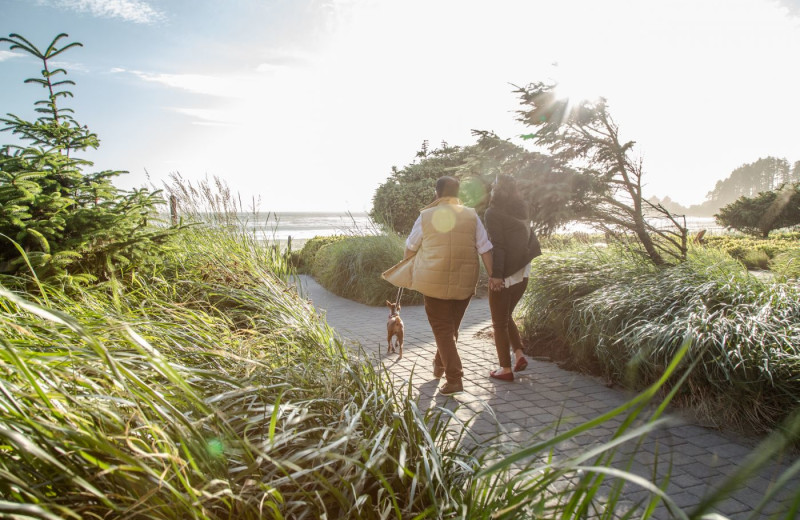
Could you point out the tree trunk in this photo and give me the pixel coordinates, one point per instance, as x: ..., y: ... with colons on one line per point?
x: 647, y: 240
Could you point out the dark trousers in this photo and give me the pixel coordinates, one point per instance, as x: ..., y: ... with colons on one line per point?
x: 445, y: 317
x: 506, y: 333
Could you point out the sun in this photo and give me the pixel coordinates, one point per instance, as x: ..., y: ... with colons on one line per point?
x: 576, y: 85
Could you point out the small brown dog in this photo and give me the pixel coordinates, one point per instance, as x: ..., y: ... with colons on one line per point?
x: 394, y: 327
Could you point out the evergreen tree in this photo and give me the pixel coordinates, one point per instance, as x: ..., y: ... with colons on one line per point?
x: 763, y: 213
x: 66, y: 223
x: 398, y: 201
x: 748, y: 180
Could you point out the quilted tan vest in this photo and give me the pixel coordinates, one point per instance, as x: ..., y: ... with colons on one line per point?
x: 446, y: 265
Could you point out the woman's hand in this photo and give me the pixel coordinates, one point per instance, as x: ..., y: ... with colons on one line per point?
x: 496, y: 284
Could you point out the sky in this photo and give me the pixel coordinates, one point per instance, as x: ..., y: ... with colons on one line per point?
x: 306, y: 105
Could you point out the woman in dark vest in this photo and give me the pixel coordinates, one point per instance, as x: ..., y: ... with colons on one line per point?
x: 508, y: 225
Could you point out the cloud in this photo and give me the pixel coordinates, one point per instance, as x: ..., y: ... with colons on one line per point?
x: 135, y: 11
x: 70, y: 66
x: 793, y: 6
x: 278, y: 59
x: 218, y: 86
x: 7, y: 55
x: 205, y: 116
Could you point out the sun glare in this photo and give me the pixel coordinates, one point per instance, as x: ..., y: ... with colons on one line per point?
x: 576, y: 90
x: 576, y: 85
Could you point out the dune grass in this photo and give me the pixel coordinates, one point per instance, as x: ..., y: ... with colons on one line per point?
x: 350, y: 266
x: 209, y: 388
x: 608, y: 310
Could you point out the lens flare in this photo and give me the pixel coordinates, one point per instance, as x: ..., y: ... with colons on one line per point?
x: 472, y: 192
x: 215, y: 448
x: 443, y: 220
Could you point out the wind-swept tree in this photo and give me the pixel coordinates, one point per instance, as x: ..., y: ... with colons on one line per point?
x: 583, y: 135
x: 65, y: 222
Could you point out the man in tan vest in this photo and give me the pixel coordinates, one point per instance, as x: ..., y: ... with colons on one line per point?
x: 446, y: 240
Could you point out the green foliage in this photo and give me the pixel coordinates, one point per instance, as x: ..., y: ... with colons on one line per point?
x: 555, y: 193
x: 68, y: 224
x: 742, y: 248
x: 397, y: 202
x: 211, y: 388
x: 611, y: 311
x: 352, y: 267
x: 756, y: 260
x: 787, y: 264
x: 763, y: 213
x: 303, y: 260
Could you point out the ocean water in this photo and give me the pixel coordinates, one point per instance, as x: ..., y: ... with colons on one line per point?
x: 301, y: 226
x: 693, y: 224
x: 280, y: 228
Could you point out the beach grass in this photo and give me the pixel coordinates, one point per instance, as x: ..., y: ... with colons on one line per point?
x: 209, y: 388
x: 607, y: 311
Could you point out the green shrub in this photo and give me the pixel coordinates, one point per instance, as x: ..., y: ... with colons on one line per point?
x: 756, y: 260
x: 303, y: 260
x: 767, y: 211
x: 352, y: 267
x: 211, y: 388
x: 751, y: 251
x: 787, y: 264
x: 397, y: 202
x: 612, y: 312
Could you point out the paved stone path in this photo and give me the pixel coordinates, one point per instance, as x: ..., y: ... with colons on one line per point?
x: 529, y: 408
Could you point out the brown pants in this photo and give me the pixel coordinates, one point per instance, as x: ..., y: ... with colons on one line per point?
x: 506, y: 333
x: 445, y: 318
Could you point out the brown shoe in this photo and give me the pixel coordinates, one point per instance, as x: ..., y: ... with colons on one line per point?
x: 451, y: 388
x: 437, y: 371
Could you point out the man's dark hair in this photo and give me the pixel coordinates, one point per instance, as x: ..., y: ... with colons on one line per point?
x: 447, y: 186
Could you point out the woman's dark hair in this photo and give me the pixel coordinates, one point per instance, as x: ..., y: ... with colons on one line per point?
x: 506, y: 197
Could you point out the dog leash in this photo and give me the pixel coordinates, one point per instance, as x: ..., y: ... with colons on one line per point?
x: 399, y: 295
